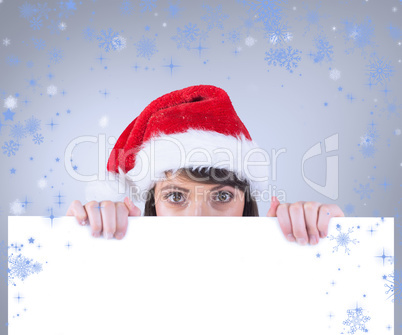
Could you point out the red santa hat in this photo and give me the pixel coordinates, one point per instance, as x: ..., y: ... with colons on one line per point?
x: 189, y: 128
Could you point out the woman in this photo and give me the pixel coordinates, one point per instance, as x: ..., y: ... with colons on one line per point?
x: 175, y: 154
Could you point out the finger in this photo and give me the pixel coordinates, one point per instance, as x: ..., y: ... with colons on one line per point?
x: 326, y: 212
x: 274, y: 206
x: 133, y: 209
x: 296, y: 213
x: 310, y: 216
x: 94, y: 215
x: 282, y: 213
x: 121, y: 220
x: 108, y: 213
x: 76, y: 209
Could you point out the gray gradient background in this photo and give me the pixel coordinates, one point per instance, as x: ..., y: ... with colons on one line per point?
x: 279, y: 108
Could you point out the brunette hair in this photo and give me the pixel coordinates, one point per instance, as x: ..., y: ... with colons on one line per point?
x: 210, y: 176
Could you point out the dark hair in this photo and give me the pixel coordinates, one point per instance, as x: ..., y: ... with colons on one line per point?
x: 210, y: 175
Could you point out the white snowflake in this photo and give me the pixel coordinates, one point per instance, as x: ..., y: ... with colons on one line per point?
x: 62, y: 26
x: 42, y: 183
x: 397, y: 132
x: 103, y: 122
x: 335, y: 74
x: 119, y: 43
x: 10, y: 102
x: 250, y: 41
x: 51, y: 90
x: 16, y: 207
x: 6, y: 42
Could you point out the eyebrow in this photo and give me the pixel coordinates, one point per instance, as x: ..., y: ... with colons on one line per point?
x: 186, y: 190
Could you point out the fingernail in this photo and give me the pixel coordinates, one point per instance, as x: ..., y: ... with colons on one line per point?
x: 322, y: 234
x: 96, y: 234
x: 313, y: 239
x: 119, y: 235
x: 291, y: 238
x: 108, y: 235
x: 301, y: 241
x: 83, y: 223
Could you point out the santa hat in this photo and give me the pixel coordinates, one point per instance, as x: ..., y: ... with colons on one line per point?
x: 193, y: 127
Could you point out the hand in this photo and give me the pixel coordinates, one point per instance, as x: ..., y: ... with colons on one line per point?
x: 108, y: 217
x: 304, y: 221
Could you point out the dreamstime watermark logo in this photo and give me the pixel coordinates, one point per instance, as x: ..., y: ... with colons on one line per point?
x: 255, y: 165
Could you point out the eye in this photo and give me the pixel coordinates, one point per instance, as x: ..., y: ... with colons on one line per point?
x: 174, y: 197
x: 223, y: 196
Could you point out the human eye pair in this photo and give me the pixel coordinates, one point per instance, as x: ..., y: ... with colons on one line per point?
x: 179, y: 198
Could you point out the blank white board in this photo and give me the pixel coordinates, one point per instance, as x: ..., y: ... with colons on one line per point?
x: 199, y: 275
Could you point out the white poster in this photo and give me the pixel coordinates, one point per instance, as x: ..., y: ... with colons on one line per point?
x: 199, y: 275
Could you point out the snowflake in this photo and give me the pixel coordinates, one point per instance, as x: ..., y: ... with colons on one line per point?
x: 89, y: 33
x: 126, y: 8
x: 324, y: 49
x: 284, y: 57
x: 18, y: 131
x: 349, y: 209
x: 391, y: 108
x: 38, y: 139
x: 67, y: 8
x: 27, y: 10
x: 42, y: 11
x: 6, y: 42
x: 174, y: 10
x: 21, y: 267
x: 33, y: 83
x: 17, y: 207
x: 379, y: 71
x: 267, y: 11
x: 13, y: 60
x: 395, y: 33
x: 359, y: 34
x: 119, y: 43
x: 367, y: 150
x: 214, y: 18
x: 278, y: 34
x: 56, y: 55
x: 147, y: 5
x: 10, y: 102
x: 335, y: 74
x: 312, y: 17
x: 106, y: 39
x: 187, y: 35
x: 146, y: 47
x: 343, y: 239
x: 39, y: 43
x: 393, y: 285
x: 356, y: 320
x: 10, y: 148
x: 51, y: 90
x: 233, y: 36
x: 62, y: 26
x: 250, y: 41
x: 36, y: 23
x: 364, y: 191
x: 32, y: 125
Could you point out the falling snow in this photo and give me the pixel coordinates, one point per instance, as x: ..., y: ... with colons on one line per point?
x: 379, y: 71
x: 17, y: 207
x: 10, y: 102
x: 21, y: 267
x: 335, y: 74
x: 278, y: 34
x: 364, y: 191
x: 51, y: 90
x: 18, y: 131
x: 10, y: 148
x: 146, y: 47
x: 356, y: 320
x: 32, y: 125
x: 106, y: 39
x: 186, y: 35
x: 284, y: 57
x: 214, y: 17
x: 38, y: 139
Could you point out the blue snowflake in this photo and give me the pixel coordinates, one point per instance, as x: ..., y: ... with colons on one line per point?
x: 126, y: 7
x: 367, y: 150
x: 174, y: 9
x: 89, y: 33
x: 269, y: 12
x: 18, y: 131
x: 27, y: 10
x: 393, y: 285
x: 67, y: 8
x: 55, y: 55
x: 21, y: 267
x: 13, y: 60
x: 364, y: 191
x: 38, y: 139
x: 324, y: 49
x: 284, y: 57
x: 312, y: 17
x: 343, y: 239
x: 356, y: 320
x: 234, y: 36
x: 36, y: 23
x: 106, y: 39
x: 214, y: 17
x: 379, y: 71
x: 187, y: 35
x: 10, y: 148
x: 278, y: 33
x: 33, y: 83
x: 359, y: 34
x: 146, y: 47
x: 395, y: 33
x: 349, y: 209
x: 391, y: 108
x: 38, y: 43
x: 147, y: 5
